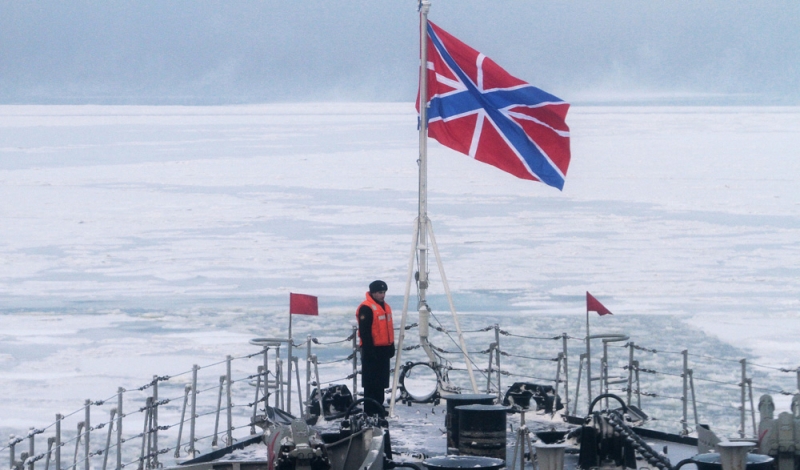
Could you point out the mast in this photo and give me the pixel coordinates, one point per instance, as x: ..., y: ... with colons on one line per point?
x: 423, y: 229
x: 422, y: 218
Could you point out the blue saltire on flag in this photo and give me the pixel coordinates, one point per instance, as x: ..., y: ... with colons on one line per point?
x: 479, y: 109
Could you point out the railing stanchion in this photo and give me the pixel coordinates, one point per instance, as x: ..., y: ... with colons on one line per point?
x: 108, y: 438
x: 490, y: 369
x: 155, y: 422
x: 578, y: 384
x: 279, y: 381
x: 559, y: 362
x: 50, y: 442
x: 694, y: 399
x: 355, y: 361
x: 31, y: 447
x: 186, y: 391
x: 148, y: 417
x: 59, y: 417
x: 11, y: 446
x: 192, y: 423
x: 685, y: 398
x: 77, y: 445
x: 87, y: 429
x: 299, y: 390
x: 215, y: 440
x: 566, y: 373
x: 266, y: 375
x: 638, y: 385
x: 255, y: 401
x: 743, y: 385
x: 631, y: 347
x: 604, y: 371
x: 120, y: 415
x: 319, y: 384
x: 752, y: 406
x: 497, y: 356
x: 308, y: 375
x: 228, y: 383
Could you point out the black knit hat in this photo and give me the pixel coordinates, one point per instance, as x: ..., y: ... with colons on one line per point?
x: 378, y: 286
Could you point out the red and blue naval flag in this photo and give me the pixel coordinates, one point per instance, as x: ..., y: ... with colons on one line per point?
x: 479, y: 109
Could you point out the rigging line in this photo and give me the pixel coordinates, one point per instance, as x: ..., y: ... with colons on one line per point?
x: 503, y: 353
x: 466, y: 354
x: 506, y: 333
x: 706, y: 356
x: 780, y: 369
x: 214, y: 364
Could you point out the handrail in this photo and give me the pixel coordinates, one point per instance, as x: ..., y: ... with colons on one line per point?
x: 339, y: 351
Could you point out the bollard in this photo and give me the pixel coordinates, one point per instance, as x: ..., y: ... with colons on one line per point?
x: 733, y: 455
x: 451, y: 418
x: 550, y: 456
x: 482, y: 430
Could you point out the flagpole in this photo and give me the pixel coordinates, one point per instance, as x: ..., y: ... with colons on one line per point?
x: 289, y: 370
x: 422, y: 219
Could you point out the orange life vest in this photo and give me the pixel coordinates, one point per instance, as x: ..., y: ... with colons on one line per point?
x: 382, y: 326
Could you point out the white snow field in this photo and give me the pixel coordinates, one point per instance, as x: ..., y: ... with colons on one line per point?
x: 141, y: 240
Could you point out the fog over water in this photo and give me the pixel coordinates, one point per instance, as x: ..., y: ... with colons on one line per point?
x: 215, y: 52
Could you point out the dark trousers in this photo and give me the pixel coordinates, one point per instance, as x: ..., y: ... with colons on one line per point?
x: 376, y: 392
x: 375, y: 375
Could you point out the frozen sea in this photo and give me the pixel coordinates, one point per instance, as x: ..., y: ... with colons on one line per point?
x: 141, y: 240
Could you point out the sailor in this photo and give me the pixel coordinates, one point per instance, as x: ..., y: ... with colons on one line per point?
x: 376, y: 338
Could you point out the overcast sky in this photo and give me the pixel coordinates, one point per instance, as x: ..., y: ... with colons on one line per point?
x: 208, y: 52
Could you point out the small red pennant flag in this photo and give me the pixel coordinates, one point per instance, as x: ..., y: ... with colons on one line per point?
x: 594, y: 305
x: 302, y: 304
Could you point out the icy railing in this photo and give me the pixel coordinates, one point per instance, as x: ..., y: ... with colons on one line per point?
x: 172, y: 418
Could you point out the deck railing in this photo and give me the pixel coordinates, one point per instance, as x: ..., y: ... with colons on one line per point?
x: 171, y: 418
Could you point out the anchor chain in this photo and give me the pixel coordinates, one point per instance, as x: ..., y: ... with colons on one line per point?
x: 642, y: 448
